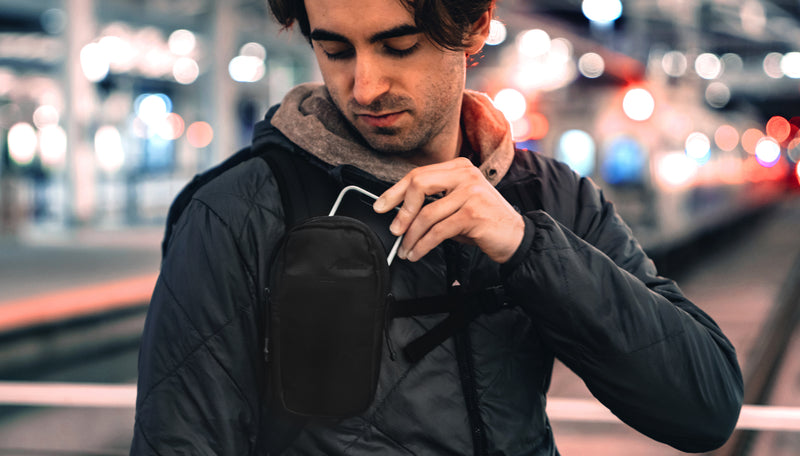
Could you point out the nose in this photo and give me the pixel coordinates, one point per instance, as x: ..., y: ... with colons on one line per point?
x: 370, y: 80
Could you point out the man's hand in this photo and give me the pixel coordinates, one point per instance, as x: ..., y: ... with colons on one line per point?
x: 471, y: 211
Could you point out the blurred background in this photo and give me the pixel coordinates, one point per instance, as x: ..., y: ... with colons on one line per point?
x: 686, y: 112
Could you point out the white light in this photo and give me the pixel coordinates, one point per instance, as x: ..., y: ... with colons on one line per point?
x: 182, y: 42
x: 602, y: 11
x: 638, y: 104
x: 119, y: 53
x: 591, y: 65
x: 772, y: 65
x: 152, y: 108
x: 253, y: 49
x: 511, y: 103
x: 718, y: 94
x: 53, y: 145
x: 497, y: 33
x: 674, y: 63
x: 533, y: 43
x: 676, y: 169
x: 577, y: 149
x: 108, y: 149
x: 708, y: 66
x: 245, y: 68
x: 185, y: 70
x: 45, y: 115
x: 790, y: 65
x: 22, y: 143
x: 768, y: 152
x: 94, y: 63
x: 698, y: 147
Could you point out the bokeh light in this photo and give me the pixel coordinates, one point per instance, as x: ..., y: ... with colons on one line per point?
x: 698, y: 147
x: 726, y: 138
x: 94, y: 63
x: 674, y: 63
x: 497, y: 33
x: 768, y: 152
x: 199, y: 134
x: 185, y: 70
x: 53, y: 145
x: 790, y: 65
x: 675, y: 169
x: 533, y: 43
x: 718, y: 94
x: 772, y: 65
x: 182, y: 42
x: 152, y: 108
x: 638, y: 104
x: 779, y: 128
x: 22, y: 142
x: 577, y: 149
x: 171, y: 128
x: 750, y: 139
x: 45, y: 115
x: 591, y: 65
x: 246, y: 68
x: 708, y: 66
x: 602, y: 11
x: 108, y: 149
x: 511, y: 103
x: 624, y: 162
x: 732, y: 63
x: 539, y: 125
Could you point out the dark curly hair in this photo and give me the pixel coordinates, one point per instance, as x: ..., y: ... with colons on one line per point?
x: 445, y: 22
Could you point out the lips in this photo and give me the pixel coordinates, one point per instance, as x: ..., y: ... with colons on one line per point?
x: 380, y: 120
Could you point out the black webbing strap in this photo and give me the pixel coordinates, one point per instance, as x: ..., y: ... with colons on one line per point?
x: 461, y: 307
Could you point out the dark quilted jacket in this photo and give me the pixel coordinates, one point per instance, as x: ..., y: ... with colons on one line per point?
x: 583, y: 290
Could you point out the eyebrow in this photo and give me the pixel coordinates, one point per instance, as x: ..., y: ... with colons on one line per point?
x: 394, y: 32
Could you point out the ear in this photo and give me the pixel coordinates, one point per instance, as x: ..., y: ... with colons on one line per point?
x: 478, y: 33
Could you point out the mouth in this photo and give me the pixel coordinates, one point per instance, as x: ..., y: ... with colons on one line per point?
x: 380, y: 120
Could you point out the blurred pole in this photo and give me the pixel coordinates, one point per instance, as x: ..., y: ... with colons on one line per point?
x: 79, y: 100
x: 223, y: 91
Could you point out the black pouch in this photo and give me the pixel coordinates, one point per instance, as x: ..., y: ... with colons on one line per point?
x: 328, y: 298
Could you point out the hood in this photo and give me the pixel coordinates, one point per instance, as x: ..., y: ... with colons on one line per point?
x: 308, y: 117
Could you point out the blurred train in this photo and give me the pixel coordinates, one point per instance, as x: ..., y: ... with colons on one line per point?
x: 674, y: 163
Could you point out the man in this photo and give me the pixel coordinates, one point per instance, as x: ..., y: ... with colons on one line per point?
x: 393, y: 105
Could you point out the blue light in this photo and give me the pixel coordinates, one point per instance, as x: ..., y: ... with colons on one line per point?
x: 624, y: 162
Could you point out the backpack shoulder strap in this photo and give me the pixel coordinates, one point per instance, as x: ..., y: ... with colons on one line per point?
x: 306, y: 190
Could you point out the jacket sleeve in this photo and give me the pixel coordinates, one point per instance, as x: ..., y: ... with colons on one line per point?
x: 652, y: 357
x: 201, y: 368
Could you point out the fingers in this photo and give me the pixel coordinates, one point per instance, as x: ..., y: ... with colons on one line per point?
x: 471, y: 211
x: 420, y: 183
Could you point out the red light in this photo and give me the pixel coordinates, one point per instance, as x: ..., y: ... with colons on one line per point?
x: 797, y: 172
x: 539, y: 125
x: 779, y: 128
x: 750, y: 139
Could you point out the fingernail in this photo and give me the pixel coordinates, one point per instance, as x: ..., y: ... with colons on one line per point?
x: 395, y: 228
x: 410, y: 256
x: 379, y: 205
x: 401, y: 253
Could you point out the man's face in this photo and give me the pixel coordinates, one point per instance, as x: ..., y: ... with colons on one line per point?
x: 397, y: 89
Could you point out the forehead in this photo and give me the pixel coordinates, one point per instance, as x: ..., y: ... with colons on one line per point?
x: 353, y: 18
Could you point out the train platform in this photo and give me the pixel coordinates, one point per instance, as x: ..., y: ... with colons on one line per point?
x: 738, y: 284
